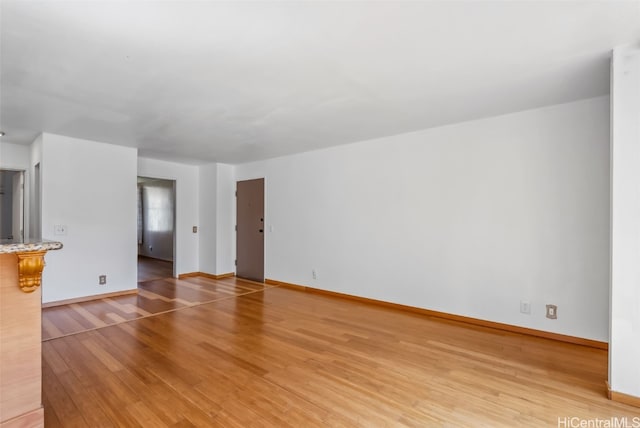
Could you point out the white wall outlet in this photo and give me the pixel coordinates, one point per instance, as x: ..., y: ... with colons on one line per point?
x: 60, y: 229
x: 552, y: 312
x: 102, y: 279
x: 314, y: 274
x: 525, y: 307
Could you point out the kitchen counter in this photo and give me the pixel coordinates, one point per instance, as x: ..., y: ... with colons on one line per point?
x: 28, y: 245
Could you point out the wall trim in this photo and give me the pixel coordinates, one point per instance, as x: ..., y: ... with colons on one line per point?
x: 188, y: 275
x: 88, y: 298
x: 206, y: 275
x: 214, y: 276
x: 431, y: 313
x: 623, y: 398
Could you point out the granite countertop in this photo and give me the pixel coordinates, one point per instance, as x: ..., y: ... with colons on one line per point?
x: 27, y: 245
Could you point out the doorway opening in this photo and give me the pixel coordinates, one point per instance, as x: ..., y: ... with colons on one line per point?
x: 156, y: 228
x: 11, y: 204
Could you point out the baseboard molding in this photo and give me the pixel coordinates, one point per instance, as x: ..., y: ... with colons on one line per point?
x: 88, y: 298
x: 447, y: 316
x: 289, y: 285
x: 623, y: 398
x: 220, y: 276
x: 188, y: 275
x: 206, y: 275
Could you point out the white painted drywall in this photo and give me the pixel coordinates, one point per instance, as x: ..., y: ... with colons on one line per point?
x: 624, y: 348
x: 15, y: 156
x: 186, y: 177
x: 35, y: 189
x: 217, y: 218
x: 208, y: 221
x: 225, y: 217
x: 467, y: 219
x: 89, y: 187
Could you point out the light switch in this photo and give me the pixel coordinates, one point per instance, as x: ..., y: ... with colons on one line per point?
x: 60, y: 229
x: 195, y: 229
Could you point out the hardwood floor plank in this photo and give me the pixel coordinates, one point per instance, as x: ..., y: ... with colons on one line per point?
x: 150, y: 268
x: 60, y: 406
x: 128, y: 306
x: 144, y: 416
x: 184, y: 423
x: 49, y: 329
x: 278, y: 358
x: 102, y: 355
x: 65, y: 320
x: 177, y: 408
x: 153, y: 297
x: 55, y: 360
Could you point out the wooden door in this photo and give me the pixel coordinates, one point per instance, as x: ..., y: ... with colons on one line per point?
x: 250, y: 229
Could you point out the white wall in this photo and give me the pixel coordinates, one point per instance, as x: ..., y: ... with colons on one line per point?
x: 90, y: 188
x: 217, y: 218
x: 35, y: 189
x: 208, y: 176
x: 187, y: 211
x: 467, y: 219
x: 624, y: 349
x: 226, y: 220
x: 14, y: 156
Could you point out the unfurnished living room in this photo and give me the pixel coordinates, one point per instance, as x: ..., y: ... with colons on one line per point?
x: 319, y: 213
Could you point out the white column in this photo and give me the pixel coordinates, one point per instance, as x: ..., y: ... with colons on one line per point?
x: 624, y: 341
x: 226, y: 219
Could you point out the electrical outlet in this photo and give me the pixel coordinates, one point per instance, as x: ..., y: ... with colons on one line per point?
x: 525, y: 307
x: 314, y: 274
x: 195, y: 229
x: 102, y: 279
x: 552, y: 312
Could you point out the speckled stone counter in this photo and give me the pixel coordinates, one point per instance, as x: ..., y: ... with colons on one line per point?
x: 12, y: 246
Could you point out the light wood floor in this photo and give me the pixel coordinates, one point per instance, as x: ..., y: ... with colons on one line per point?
x: 281, y: 358
x: 154, y: 297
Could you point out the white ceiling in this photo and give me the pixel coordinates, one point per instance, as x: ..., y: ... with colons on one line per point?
x: 239, y: 81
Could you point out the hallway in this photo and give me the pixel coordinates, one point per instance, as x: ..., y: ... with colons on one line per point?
x: 149, y: 268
